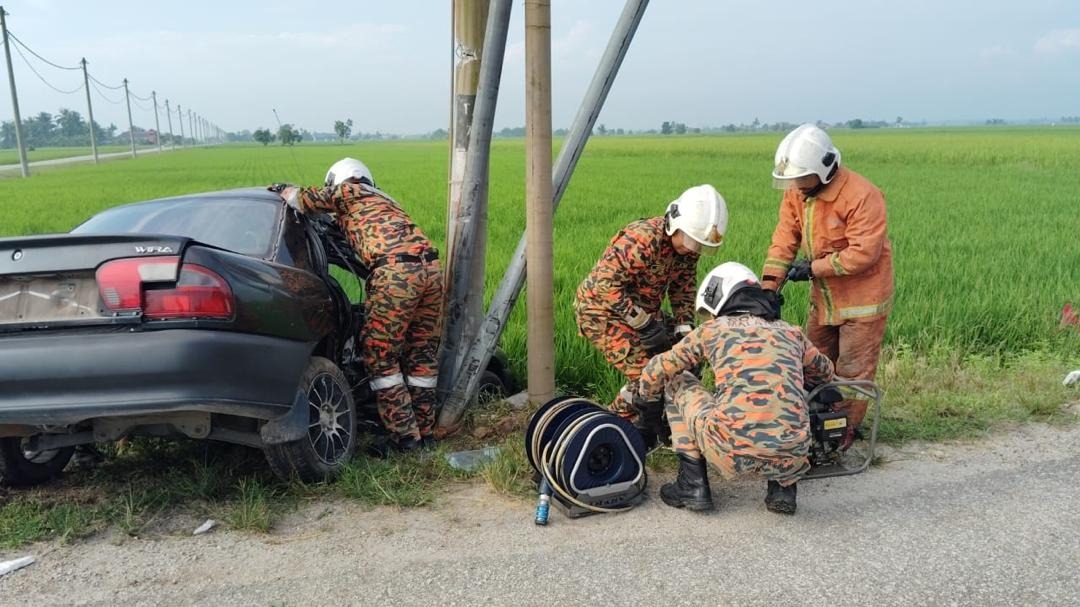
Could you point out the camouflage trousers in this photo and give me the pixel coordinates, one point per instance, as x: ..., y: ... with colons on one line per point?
x: 621, y: 347
x: 700, y: 428
x: 402, y: 327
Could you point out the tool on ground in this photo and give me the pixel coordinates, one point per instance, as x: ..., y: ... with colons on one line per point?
x: 588, y: 459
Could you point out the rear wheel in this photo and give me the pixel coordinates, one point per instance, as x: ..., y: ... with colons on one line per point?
x: 491, y: 388
x: 21, y: 466
x: 331, y: 437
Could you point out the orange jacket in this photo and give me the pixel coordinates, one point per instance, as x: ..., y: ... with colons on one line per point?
x: 842, y: 230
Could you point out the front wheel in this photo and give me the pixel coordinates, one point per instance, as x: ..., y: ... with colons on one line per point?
x: 20, y: 466
x: 331, y: 436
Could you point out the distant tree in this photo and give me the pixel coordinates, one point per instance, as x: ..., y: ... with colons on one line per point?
x: 288, y: 135
x: 680, y: 129
x: 899, y: 120
x: 71, y: 123
x: 601, y: 130
x: 620, y: 132
x: 666, y: 128
x: 343, y: 129
x: 756, y: 124
x: 7, y: 134
x: 439, y: 134
x: 856, y: 123
x: 263, y: 136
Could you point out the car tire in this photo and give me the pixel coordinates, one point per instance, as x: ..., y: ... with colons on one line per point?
x: 491, y: 388
x: 331, y: 439
x: 18, y: 467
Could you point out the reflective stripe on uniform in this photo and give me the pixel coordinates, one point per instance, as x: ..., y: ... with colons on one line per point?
x: 389, y: 381
x: 866, y: 311
x: 423, y: 381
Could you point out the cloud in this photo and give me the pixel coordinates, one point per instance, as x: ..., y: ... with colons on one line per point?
x: 1058, y: 41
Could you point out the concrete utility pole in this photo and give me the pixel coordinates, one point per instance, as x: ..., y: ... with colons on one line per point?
x: 23, y: 163
x: 180, y: 115
x: 470, y: 20
x: 465, y: 268
x: 502, y: 303
x: 131, y: 125
x: 89, y: 110
x: 157, y: 125
x: 168, y: 115
x: 191, y: 128
x: 539, y: 299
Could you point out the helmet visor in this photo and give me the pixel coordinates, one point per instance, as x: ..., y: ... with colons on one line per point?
x: 786, y: 175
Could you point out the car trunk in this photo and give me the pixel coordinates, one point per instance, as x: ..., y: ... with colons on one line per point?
x: 48, y: 281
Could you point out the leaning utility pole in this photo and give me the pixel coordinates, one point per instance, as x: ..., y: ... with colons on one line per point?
x: 191, y: 128
x: 157, y: 125
x: 464, y: 307
x: 23, y: 163
x: 502, y: 302
x: 180, y: 115
x: 131, y: 125
x: 89, y: 110
x: 168, y: 115
x: 539, y: 300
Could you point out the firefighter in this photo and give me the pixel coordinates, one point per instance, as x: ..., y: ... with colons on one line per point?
x: 756, y: 421
x: 836, y: 219
x: 403, y: 305
x: 618, y: 304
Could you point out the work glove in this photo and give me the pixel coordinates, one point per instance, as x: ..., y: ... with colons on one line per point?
x: 653, y: 337
x: 289, y: 193
x: 800, y: 271
x: 650, y: 421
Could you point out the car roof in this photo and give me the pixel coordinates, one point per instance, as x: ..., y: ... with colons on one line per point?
x: 259, y: 194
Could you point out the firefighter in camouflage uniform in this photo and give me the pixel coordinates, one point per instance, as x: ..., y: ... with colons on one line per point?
x: 618, y: 304
x: 403, y: 305
x: 756, y: 422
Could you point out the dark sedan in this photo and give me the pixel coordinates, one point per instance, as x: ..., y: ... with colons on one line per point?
x: 211, y: 316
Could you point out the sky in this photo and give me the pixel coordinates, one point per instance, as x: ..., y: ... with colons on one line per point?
x: 386, y: 64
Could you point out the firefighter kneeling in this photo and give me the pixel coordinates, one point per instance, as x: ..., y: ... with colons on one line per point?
x: 755, y: 422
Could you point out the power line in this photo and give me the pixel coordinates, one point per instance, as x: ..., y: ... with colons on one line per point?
x: 141, y: 98
x: 115, y: 88
x: 94, y: 84
x: 42, y: 78
x: 23, y: 44
x: 142, y: 107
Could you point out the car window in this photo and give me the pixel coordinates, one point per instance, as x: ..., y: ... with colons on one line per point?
x: 241, y: 225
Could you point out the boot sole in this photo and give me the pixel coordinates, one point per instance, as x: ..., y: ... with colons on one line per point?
x: 693, y: 505
x: 781, y: 508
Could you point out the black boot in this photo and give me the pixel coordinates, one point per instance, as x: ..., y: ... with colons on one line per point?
x: 691, y: 488
x: 781, y: 499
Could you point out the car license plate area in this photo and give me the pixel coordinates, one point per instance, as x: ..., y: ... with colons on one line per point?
x: 42, y: 299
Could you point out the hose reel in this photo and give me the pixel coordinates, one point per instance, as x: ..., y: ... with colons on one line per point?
x: 588, y: 459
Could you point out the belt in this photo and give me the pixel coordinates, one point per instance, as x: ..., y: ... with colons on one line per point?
x: 426, y: 256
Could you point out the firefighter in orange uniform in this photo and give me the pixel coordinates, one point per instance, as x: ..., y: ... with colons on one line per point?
x: 835, y: 218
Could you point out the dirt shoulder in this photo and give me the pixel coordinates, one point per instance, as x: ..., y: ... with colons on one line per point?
x: 989, y: 522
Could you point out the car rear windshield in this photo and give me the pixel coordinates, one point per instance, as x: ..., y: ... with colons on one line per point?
x: 241, y: 225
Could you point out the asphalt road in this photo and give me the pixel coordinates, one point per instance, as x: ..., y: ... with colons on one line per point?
x: 993, y: 523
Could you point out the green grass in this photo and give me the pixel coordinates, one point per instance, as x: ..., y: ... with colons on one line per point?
x: 982, y: 223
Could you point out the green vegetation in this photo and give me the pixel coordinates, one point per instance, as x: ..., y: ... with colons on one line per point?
x: 982, y: 223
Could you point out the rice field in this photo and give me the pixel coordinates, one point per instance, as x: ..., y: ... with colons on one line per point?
x: 983, y: 221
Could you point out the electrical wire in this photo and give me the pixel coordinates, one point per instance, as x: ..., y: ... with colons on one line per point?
x: 94, y: 84
x: 100, y: 83
x: 142, y: 98
x: 139, y: 105
x: 23, y: 44
x: 42, y: 78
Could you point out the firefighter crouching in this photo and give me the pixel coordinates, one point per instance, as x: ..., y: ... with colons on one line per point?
x: 755, y: 423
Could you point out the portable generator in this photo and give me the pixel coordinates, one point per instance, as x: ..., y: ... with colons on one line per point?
x: 829, y: 428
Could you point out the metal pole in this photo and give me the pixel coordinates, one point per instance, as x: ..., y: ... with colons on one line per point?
x: 539, y: 300
x: 191, y: 128
x: 89, y: 110
x: 180, y: 116
x: 23, y: 163
x: 168, y: 114
x: 131, y: 125
x: 468, y: 380
x: 465, y: 268
x: 470, y: 19
x: 157, y: 124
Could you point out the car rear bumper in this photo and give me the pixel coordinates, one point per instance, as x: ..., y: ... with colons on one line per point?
x: 61, y: 380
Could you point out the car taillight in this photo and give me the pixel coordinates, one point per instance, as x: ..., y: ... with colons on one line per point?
x: 161, y: 288
x: 120, y: 281
x: 199, y: 293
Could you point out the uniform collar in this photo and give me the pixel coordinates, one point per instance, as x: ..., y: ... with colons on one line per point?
x: 832, y: 190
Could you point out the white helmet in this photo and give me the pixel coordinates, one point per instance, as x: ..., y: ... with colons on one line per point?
x: 701, y: 214
x: 805, y: 151
x: 348, y: 168
x: 719, y: 284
